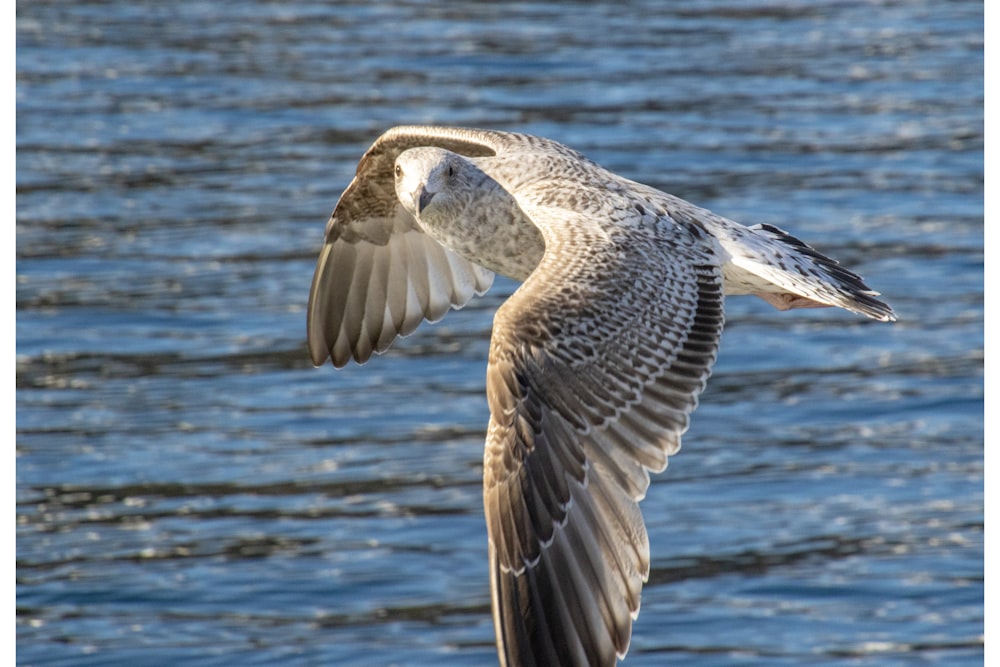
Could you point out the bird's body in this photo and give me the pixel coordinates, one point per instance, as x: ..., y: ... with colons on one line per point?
x: 596, y: 362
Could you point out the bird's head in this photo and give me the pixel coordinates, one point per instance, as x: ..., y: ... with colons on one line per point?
x: 432, y: 182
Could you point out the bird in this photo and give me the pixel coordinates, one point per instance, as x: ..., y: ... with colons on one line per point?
x: 596, y: 361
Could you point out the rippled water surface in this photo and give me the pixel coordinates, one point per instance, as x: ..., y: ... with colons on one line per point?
x: 191, y: 491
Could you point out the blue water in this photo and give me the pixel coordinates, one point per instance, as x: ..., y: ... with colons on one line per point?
x: 191, y: 491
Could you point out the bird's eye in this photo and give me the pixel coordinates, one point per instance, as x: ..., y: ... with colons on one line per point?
x: 399, y: 171
x: 451, y: 170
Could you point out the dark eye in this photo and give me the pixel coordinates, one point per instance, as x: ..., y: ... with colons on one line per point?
x: 399, y: 171
x: 451, y: 170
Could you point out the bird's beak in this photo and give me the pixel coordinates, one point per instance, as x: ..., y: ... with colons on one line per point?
x: 424, y: 198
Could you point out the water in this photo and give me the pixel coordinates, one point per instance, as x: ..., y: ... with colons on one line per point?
x: 191, y: 491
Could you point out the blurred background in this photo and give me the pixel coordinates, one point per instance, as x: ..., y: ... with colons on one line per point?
x: 191, y: 491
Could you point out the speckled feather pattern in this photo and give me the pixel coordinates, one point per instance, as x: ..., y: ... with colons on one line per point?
x: 596, y: 362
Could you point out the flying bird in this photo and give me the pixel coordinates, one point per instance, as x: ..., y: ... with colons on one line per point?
x: 595, y: 363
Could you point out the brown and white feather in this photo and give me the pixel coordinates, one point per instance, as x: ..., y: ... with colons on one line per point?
x: 596, y: 362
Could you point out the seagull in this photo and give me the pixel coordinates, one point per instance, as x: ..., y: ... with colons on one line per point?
x: 596, y: 361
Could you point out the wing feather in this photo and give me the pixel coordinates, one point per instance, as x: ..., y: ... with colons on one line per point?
x: 378, y: 275
x: 594, y: 370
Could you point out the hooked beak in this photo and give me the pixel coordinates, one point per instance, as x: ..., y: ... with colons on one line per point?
x: 424, y: 199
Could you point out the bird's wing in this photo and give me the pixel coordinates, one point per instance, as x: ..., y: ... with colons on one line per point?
x: 378, y: 276
x: 596, y: 363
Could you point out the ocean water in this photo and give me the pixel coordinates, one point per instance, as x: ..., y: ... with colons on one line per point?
x: 191, y: 491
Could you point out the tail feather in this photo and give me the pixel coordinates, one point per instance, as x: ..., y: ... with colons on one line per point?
x: 789, y: 273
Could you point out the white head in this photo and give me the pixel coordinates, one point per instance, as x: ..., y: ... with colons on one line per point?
x: 457, y: 204
x: 436, y: 182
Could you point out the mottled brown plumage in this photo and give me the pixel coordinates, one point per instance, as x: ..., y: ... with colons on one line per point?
x: 596, y: 361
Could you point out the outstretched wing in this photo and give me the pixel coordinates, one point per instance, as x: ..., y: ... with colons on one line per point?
x: 378, y: 276
x: 595, y: 364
